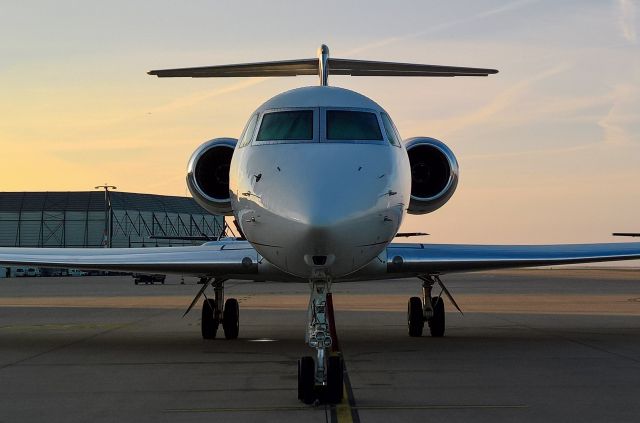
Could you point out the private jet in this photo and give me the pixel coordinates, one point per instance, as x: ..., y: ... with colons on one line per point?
x: 319, y: 182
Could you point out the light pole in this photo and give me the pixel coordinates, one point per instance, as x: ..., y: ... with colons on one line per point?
x: 106, y: 240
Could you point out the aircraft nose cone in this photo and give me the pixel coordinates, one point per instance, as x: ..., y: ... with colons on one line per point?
x: 322, y: 209
x: 326, y: 201
x: 336, y: 204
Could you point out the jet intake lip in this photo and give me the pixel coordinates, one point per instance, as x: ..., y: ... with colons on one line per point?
x: 434, y: 174
x: 208, y: 175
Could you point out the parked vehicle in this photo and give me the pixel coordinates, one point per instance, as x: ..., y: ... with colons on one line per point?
x: 50, y: 271
x: 76, y: 272
x: 19, y: 272
x: 139, y: 278
x: 32, y: 272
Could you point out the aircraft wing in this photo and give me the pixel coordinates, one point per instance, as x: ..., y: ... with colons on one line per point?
x: 217, y: 258
x: 415, y: 259
x: 239, y: 259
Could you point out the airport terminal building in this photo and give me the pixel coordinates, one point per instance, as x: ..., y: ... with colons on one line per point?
x: 98, y: 219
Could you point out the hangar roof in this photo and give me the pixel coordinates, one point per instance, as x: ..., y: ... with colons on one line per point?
x: 94, y: 201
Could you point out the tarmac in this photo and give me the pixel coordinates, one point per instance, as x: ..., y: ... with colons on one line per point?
x: 532, y: 345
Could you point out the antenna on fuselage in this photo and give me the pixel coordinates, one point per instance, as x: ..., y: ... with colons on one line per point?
x: 323, y: 66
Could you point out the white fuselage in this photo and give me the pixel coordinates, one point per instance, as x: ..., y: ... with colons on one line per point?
x: 318, y: 204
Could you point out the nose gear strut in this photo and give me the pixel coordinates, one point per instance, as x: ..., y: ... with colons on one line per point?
x: 321, y: 379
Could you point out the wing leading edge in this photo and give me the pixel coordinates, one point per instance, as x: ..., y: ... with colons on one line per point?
x: 211, y: 259
x: 414, y: 259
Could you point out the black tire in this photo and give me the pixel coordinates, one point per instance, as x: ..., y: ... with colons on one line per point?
x: 335, y: 379
x: 209, y: 324
x: 306, y: 380
x: 437, y: 322
x: 415, y: 317
x: 231, y: 318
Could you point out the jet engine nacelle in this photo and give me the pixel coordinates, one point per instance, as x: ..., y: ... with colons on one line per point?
x: 434, y: 174
x: 208, y: 174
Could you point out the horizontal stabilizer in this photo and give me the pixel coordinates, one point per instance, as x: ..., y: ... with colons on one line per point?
x: 323, y: 66
x: 310, y: 67
x: 282, y: 68
x: 372, y: 68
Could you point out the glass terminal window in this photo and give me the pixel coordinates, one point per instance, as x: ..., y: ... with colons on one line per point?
x: 288, y: 125
x: 392, y: 133
x: 352, y: 126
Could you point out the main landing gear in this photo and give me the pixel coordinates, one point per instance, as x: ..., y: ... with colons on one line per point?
x: 428, y: 309
x: 320, y: 379
x: 217, y: 310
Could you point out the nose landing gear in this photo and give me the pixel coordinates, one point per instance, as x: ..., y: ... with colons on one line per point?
x: 320, y: 379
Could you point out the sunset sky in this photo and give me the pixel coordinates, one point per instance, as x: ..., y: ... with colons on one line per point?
x: 549, y: 148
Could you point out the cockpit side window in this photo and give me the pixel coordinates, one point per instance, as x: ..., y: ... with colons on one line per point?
x: 349, y: 125
x: 247, y: 134
x: 291, y: 125
x: 390, y: 129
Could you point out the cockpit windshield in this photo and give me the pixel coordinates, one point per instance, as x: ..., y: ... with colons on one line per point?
x: 286, y: 126
x: 351, y: 125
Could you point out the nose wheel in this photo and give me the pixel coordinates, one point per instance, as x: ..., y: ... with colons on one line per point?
x: 331, y: 392
x: 306, y: 380
x: 322, y: 378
